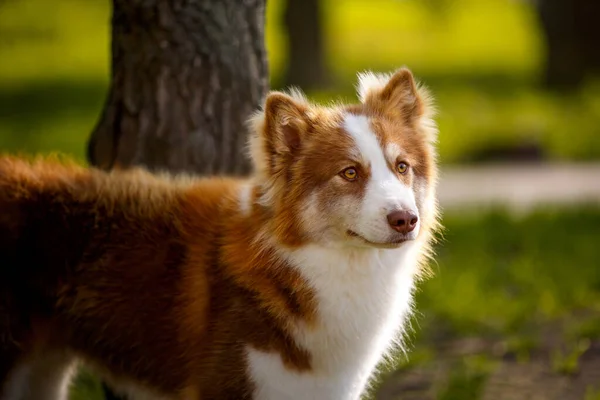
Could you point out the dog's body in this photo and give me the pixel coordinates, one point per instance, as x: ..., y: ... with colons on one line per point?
x: 289, y: 285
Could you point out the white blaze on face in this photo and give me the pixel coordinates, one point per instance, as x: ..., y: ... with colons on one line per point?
x: 384, y: 192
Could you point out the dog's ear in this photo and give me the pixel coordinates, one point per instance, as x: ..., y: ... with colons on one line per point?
x: 278, y: 131
x: 285, y: 124
x: 401, y: 96
x: 396, y: 95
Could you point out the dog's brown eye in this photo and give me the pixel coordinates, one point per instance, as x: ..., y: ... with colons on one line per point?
x: 350, y: 174
x: 402, y: 167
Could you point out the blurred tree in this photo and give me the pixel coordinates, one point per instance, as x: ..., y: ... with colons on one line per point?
x: 306, y: 65
x: 572, y: 36
x: 185, y: 76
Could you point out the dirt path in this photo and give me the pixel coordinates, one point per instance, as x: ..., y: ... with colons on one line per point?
x: 535, y: 379
x: 519, y: 186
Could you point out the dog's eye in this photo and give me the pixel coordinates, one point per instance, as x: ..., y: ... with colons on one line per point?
x: 349, y: 174
x: 402, y: 167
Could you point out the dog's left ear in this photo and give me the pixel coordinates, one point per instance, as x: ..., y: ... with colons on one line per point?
x: 285, y: 124
x: 278, y: 132
x: 396, y: 95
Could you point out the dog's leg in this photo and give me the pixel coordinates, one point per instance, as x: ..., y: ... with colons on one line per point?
x: 46, y: 376
x: 9, y: 355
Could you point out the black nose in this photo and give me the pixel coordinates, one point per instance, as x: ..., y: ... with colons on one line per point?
x: 402, y: 221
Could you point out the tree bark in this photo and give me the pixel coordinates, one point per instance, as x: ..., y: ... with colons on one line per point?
x: 306, y: 65
x: 185, y: 77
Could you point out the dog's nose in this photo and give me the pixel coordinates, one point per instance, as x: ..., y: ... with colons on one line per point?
x: 402, y: 221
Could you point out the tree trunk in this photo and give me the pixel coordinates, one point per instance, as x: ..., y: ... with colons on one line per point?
x: 185, y: 76
x: 572, y: 35
x: 306, y: 65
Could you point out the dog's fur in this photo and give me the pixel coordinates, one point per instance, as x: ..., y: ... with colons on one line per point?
x: 288, y: 285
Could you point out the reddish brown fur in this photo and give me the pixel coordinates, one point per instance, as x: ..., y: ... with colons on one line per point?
x: 122, y: 269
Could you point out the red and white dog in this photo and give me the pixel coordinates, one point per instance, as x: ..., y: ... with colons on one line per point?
x: 292, y: 284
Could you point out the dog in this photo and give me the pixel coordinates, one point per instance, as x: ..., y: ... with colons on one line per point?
x: 293, y: 283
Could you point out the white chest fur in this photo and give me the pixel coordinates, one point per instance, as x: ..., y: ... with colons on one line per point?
x: 363, y: 297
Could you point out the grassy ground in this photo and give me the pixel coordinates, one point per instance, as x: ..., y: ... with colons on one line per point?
x: 523, y: 293
x: 513, y: 309
x: 482, y: 58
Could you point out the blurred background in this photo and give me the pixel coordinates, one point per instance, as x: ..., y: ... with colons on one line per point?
x: 513, y: 308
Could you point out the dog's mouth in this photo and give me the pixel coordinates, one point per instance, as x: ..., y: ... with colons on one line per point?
x: 387, y: 245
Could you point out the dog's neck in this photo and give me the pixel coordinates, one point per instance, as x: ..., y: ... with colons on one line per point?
x: 363, y: 299
x: 361, y: 294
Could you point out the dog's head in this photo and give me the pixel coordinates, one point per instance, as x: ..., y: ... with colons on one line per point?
x: 357, y: 175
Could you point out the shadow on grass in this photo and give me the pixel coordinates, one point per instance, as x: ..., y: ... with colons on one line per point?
x: 50, y: 116
x: 30, y: 105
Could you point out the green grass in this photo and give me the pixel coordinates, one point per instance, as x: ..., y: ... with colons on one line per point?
x: 566, y: 361
x: 481, y: 58
x: 467, y: 378
x: 592, y: 394
x: 510, y: 280
x: 86, y: 387
x: 497, y: 273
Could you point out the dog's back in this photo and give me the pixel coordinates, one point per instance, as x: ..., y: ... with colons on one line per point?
x: 82, y: 252
x: 56, y: 216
